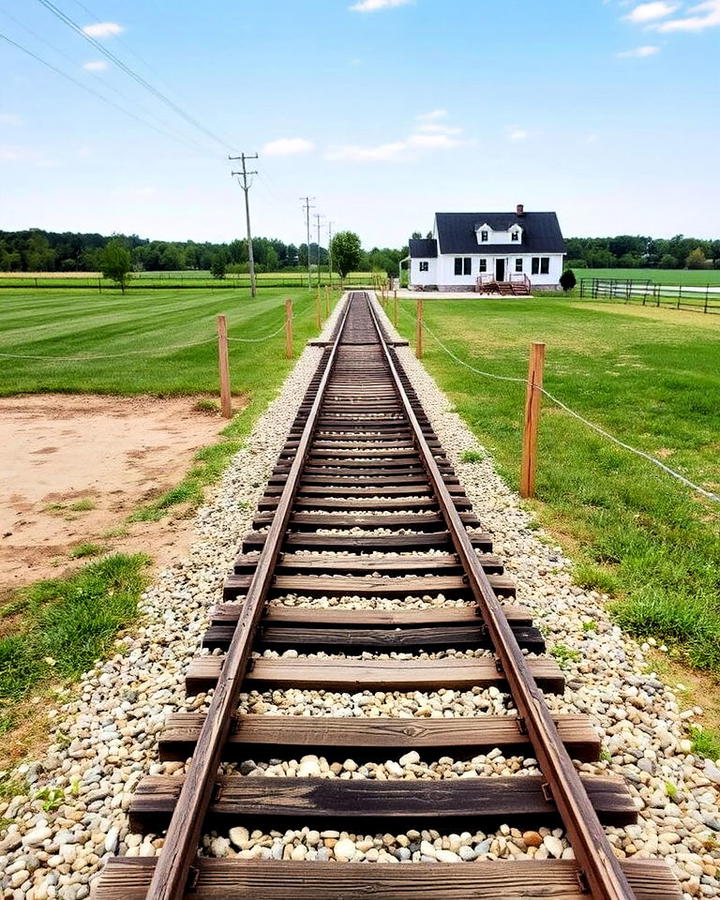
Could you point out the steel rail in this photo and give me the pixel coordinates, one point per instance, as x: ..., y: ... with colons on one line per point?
x: 599, y: 869
x: 171, y: 876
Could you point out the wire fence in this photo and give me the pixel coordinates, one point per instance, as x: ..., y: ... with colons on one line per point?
x: 710, y: 495
x: 150, y: 351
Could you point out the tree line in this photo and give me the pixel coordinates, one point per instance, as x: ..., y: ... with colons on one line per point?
x: 36, y: 250
x: 637, y: 252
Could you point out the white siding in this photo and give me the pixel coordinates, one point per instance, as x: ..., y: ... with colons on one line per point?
x: 446, y: 276
x: 423, y: 278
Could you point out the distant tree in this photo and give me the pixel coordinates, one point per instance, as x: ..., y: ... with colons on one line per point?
x: 568, y: 280
x: 116, y: 262
x: 668, y: 261
x: 219, y: 266
x: 346, y: 252
x: 696, y: 259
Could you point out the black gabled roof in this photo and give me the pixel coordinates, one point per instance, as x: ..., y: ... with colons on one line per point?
x: 423, y: 249
x: 541, y: 232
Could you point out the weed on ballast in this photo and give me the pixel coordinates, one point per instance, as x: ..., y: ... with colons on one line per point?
x: 472, y: 456
x: 563, y: 655
x: 69, y: 623
x: 705, y: 742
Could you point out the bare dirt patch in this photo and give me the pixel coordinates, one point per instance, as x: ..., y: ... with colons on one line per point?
x: 74, y: 467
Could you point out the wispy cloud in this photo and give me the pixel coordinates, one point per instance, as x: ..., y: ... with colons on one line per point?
x: 518, y: 134
x: 9, y: 119
x: 357, y: 153
x: 95, y: 65
x: 639, y: 52
x: 651, y: 12
x: 433, y: 115
x: 25, y: 155
x: 103, y: 29
x: 434, y: 141
x: 287, y: 147
x: 374, y: 5
x: 704, y: 15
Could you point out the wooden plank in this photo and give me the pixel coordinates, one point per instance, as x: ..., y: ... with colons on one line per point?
x: 224, y: 613
x: 372, y: 675
x: 438, y: 540
x: 359, y: 565
x: 311, y: 520
x: 380, y: 640
x: 347, y: 585
x: 329, y: 502
x: 128, y: 878
x: 262, y: 737
x: 366, y: 804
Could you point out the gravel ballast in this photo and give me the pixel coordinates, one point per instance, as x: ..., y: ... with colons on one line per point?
x: 104, y: 739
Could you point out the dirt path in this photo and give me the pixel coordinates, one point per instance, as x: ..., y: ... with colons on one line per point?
x: 74, y: 467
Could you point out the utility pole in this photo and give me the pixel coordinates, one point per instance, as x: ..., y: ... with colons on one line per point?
x: 317, y: 218
x: 246, y: 187
x: 330, y: 237
x: 307, y: 206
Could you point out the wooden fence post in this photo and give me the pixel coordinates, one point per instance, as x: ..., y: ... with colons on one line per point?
x: 419, y: 331
x: 395, y: 310
x: 532, y: 419
x: 224, y: 363
x: 327, y: 302
x: 288, y: 328
x: 318, y: 312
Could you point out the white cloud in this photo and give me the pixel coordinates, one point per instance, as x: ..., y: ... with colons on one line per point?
x: 650, y: 12
x: 639, y: 52
x: 9, y: 119
x: 704, y: 15
x: 95, y: 65
x: 518, y: 134
x: 438, y: 128
x: 433, y: 141
x: 103, y: 29
x: 27, y: 155
x: 373, y: 5
x: 287, y: 147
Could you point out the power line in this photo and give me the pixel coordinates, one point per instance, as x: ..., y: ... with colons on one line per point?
x: 72, y: 24
x: 87, y: 88
x: 180, y: 138
x: 307, y: 206
x: 246, y: 187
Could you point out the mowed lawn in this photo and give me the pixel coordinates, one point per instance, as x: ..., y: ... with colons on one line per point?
x: 694, y: 277
x: 144, y: 333
x: 652, y: 378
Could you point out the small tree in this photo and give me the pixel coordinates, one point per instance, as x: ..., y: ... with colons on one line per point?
x: 346, y: 252
x: 696, y: 259
x: 219, y: 266
x: 568, y: 280
x: 668, y: 261
x: 116, y: 262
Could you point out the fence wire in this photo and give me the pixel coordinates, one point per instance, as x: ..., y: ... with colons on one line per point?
x: 576, y: 415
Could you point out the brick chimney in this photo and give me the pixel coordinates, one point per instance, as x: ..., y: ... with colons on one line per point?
x: 520, y: 209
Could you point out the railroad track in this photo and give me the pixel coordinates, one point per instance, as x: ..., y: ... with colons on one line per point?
x: 363, y: 505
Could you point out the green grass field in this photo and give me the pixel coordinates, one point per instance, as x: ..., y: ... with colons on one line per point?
x: 145, y: 325
x: 651, y: 377
x: 696, y: 277
x: 187, y: 278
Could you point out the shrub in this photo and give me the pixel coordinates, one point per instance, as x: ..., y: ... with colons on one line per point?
x: 568, y: 280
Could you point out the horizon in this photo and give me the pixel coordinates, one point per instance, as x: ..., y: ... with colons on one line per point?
x: 598, y: 118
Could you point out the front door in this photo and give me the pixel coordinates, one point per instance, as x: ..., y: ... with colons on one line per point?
x: 499, y: 270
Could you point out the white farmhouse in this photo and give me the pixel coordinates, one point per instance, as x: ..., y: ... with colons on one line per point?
x: 508, y: 253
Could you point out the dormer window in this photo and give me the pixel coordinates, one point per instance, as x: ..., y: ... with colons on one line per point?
x: 484, y: 237
x: 515, y: 236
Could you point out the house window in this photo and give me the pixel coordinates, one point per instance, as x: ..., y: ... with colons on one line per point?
x: 463, y: 265
x: 424, y: 266
x: 519, y: 264
x: 515, y: 236
x: 484, y: 237
x: 541, y: 265
x: 483, y: 265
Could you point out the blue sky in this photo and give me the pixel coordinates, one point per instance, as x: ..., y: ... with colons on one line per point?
x: 383, y: 110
